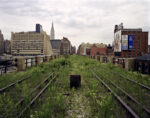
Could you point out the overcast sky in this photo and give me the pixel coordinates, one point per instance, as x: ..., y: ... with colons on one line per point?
x: 79, y: 20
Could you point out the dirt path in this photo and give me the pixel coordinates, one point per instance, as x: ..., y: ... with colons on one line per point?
x: 79, y: 104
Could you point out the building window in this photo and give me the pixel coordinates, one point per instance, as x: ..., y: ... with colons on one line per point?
x: 97, y: 53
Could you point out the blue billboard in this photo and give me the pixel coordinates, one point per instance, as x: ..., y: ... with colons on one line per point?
x: 130, y: 42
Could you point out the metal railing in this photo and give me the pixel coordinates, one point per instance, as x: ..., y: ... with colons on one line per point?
x: 7, y: 66
x: 14, y: 64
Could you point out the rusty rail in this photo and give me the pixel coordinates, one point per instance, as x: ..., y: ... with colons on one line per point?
x: 130, y: 97
x: 37, y: 87
x: 38, y: 95
x: 13, y: 84
x: 132, y: 113
x: 141, y: 85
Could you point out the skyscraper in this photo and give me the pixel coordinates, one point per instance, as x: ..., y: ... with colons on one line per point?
x: 1, y: 43
x: 52, y: 35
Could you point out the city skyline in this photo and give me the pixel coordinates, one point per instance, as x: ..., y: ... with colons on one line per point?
x: 87, y: 21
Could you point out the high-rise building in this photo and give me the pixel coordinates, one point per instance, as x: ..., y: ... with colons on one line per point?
x: 7, y: 47
x: 56, y: 46
x: 30, y: 43
x: 1, y: 43
x: 52, y: 35
x: 39, y: 28
x: 130, y: 43
x: 65, y: 47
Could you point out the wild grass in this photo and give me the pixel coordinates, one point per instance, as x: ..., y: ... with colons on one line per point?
x: 22, y: 90
x: 92, y: 100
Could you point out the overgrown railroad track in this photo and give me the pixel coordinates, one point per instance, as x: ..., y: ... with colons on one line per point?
x: 23, y: 104
x: 2, y: 90
x: 135, y: 90
x: 132, y: 113
x: 134, y: 107
x: 140, y: 84
x: 102, y: 94
x: 17, y: 97
x: 45, y: 85
x: 20, y: 89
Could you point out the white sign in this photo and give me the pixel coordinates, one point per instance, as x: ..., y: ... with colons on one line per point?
x: 117, y: 41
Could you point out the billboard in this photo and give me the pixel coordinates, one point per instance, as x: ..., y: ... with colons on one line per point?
x: 124, y: 45
x: 117, y: 41
x: 130, y: 42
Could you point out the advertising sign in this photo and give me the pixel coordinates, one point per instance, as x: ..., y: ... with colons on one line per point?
x: 117, y: 41
x: 124, y: 45
x: 130, y: 40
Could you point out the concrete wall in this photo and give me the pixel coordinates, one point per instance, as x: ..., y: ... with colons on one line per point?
x: 21, y: 66
x: 129, y: 63
x: 126, y: 63
x: 23, y: 63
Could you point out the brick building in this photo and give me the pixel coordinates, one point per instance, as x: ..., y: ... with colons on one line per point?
x: 65, y: 47
x: 109, y: 51
x: 92, y: 49
x: 130, y: 43
x: 98, y: 50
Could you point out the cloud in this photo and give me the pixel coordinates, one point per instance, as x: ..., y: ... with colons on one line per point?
x: 79, y: 20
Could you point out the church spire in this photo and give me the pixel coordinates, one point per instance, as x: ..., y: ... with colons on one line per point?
x: 52, y: 35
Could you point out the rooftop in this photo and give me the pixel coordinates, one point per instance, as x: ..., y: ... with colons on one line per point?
x: 130, y: 29
x: 30, y: 32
